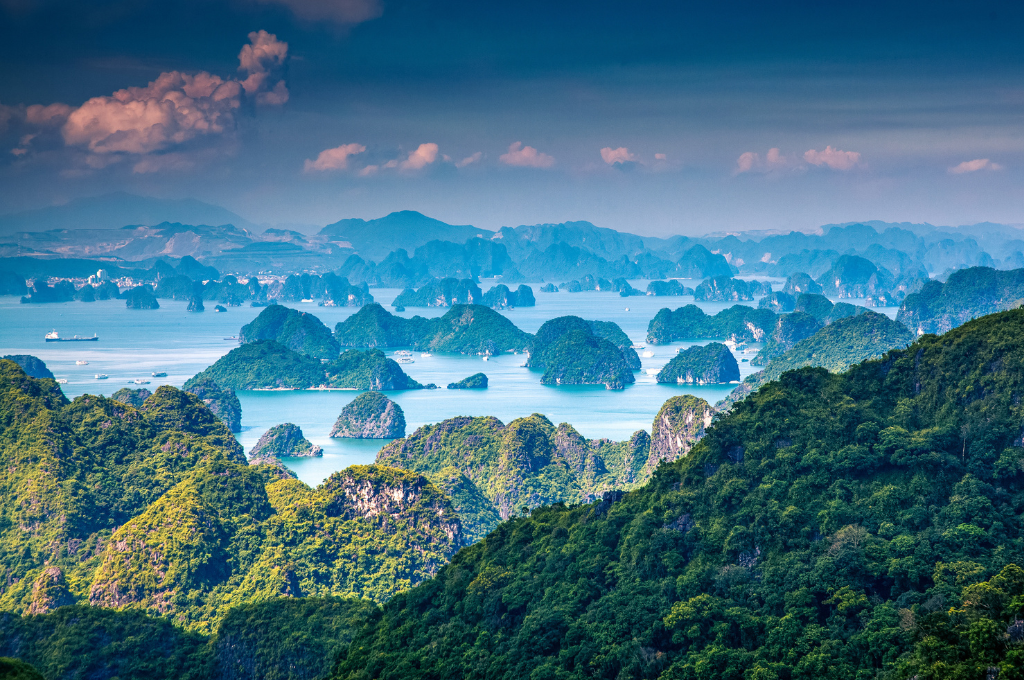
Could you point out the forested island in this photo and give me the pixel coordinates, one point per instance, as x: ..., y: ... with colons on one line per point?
x: 573, y: 351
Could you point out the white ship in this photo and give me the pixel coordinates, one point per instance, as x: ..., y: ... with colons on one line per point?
x: 403, y: 353
x: 81, y: 362
x: 102, y: 376
x: 62, y: 381
x: 406, y: 360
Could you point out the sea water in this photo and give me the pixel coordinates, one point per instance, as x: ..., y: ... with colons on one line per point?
x: 134, y: 344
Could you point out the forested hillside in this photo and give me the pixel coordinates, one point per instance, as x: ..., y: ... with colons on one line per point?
x: 819, y: 530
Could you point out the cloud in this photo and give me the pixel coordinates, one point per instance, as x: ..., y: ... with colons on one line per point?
x: 526, y: 157
x: 469, y: 160
x: 159, y: 118
x: 621, y: 155
x: 751, y: 161
x: 833, y: 158
x: 974, y: 166
x: 423, y: 156
x: 262, y: 61
x: 333, y: 159
x: 660, y: 157
x: 344, y: 12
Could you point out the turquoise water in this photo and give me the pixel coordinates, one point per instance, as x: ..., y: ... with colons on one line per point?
x: 135, y: 343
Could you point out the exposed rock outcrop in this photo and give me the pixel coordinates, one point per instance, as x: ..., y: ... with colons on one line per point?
x: 371, y: 415
x: 135, y: 398
x: 679, y: 425
x: 49, y: 591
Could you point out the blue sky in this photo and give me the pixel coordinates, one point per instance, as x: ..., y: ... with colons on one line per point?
x: 650, y: 117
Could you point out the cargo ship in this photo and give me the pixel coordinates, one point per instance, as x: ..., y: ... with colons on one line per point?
x: 53, y: 337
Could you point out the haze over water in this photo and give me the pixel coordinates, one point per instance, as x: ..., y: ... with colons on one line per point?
x: 136, y: 343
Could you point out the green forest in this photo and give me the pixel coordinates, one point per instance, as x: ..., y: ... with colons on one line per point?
x: 863, y: 524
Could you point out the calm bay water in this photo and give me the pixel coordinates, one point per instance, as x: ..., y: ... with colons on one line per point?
x: 136, y: 343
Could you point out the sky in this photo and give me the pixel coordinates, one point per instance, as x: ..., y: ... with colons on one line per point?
x: 651, y: 117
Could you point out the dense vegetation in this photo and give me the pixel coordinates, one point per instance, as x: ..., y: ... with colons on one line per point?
x: 835, y: 347
x: 500, y: 297
x: 127, y: 395
x: 572, y: 351
x: 278, y: 639
x: 477, y: 381
x: 709, y: 364
x: 464, y: 329
x: 789, y: 329
x: 141, y: 297
x: 527, y: 463
x: 728, y: 289
x: 670, y: 287
x: 268, y: 364
x: 371, y: 415
x: 298, y: 331
x: 967, y: 294
x: 284, y: 440
x: 738, y: 323
x: 221, y: 400
x: 33, y: 366
x: 805, y: 536
x: 155, y: 509
x: 441, y: 293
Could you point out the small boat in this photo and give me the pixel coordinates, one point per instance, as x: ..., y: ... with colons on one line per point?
x: 403, y: 353
x: 102, y: 376
x: 638, y: 346
x: 627, y: 309
x: 81, y: 362
x: 159, y: 375
x: 486, y: 358
x: 53, y: 336
x: 62, y: 381
x: 139, y: 381
x: 406, y: 360
x: 426, y: 354
x: 648, y: 354
x: 233, y: 337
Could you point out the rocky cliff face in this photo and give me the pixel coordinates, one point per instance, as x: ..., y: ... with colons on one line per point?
x: 371, y: 415
x: 132, y: 397
x: 679, y: 425
x: 284, y: 440
x: 380, y: 493
x: 49, y: 591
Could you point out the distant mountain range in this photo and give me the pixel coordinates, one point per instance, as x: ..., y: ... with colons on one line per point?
x: 119, y: 209
x: 408, y: 248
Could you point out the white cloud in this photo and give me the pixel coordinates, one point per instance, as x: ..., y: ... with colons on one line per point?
x: 423, y: 156
x: 344, y: 12
x: 333, y: 159
x: 469, y: 160
x: 369, y: 170
x: 974, y: 166
x: 751, y: 161
x: 833, y: 158
x: 526, y: 156
x: 621, y: 155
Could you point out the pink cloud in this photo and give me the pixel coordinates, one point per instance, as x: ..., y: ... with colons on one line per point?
x: 173, y: 109
x: 261, y: 60
x: 333, y: 159
x: 526, y: 157
x: 660, y: 157
x: 974, y: 166
x: 612, y: 156
x: 344, y: 12
x: 423, y: 156
x: 833, y: 158
x: 469, y: 160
